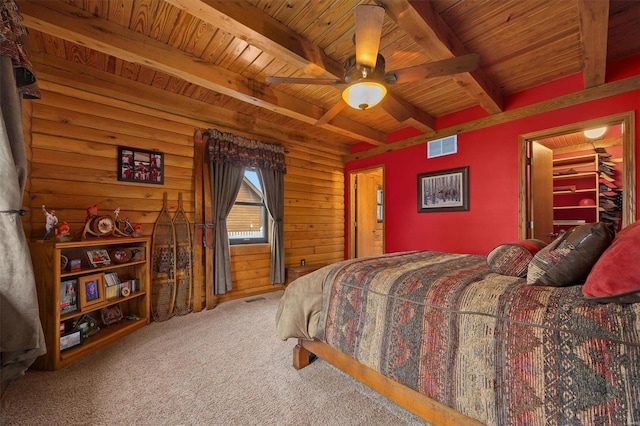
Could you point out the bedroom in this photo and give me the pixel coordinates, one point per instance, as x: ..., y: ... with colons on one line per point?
x: 102, y: 92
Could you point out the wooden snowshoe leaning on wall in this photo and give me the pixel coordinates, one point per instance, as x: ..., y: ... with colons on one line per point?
x: 184, y: 281
x: 163, y: 266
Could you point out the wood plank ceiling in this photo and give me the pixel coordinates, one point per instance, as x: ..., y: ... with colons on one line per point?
x: 220, y: 52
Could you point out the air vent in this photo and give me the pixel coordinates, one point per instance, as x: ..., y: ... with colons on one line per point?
x: 443, y: 146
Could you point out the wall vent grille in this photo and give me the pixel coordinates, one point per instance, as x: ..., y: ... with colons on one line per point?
x: 442, y: 146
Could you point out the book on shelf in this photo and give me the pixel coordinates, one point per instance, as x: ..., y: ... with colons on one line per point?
x: 123, y: 288
x: 68, y: 296
x: 112, y: 292
x: 111, y: 279
x: 133, y: 285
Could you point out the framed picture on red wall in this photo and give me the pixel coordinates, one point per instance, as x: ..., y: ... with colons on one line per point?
x: 444, y: 190
x: 142, y: 166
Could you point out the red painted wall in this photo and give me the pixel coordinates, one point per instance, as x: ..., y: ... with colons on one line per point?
x: 492, y: 157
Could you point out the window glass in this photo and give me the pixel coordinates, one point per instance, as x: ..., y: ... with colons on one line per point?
x: 247, y: 222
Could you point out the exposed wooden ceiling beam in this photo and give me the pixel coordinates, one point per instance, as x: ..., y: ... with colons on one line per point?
x: 587, y: 95
x: 69, y: 23
x: 594, y: 28
x: 419, y: 20
x: 332, y: 112
x: 406, y: 113
x: 84, y: 82
x: 263, y: 31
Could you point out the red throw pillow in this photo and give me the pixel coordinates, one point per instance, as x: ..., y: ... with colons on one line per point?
x: 513, y: 258
x: 616, y: 275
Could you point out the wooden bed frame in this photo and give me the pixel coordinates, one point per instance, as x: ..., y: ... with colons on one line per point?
x: 420, y: 405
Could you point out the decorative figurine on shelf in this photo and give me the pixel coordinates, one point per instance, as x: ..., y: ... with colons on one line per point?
x: 137, y: 230
x: 124, y: 227
x: 91, y: 212
x: 63, y: 232
x: 97, y: 226
x: 50, y: 221
x: 117, y: 230
x: 132, y: 230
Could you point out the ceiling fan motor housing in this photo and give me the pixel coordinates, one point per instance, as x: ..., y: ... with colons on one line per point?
x: 354, y: 71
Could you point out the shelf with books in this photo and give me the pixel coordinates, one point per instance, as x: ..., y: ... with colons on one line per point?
x: 73, y: 280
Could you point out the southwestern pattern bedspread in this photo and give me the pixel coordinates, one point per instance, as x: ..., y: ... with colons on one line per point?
x: 487, y: 345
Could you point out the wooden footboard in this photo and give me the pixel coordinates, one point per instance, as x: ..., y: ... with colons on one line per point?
x: 418, y: 404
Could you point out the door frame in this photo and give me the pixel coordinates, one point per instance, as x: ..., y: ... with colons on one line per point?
x: 627, y: 119
x: 351, y: 215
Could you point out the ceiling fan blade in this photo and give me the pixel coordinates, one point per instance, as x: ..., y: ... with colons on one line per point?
x: 295, y: 80
x: 368, y: 29
x: 451, y: 66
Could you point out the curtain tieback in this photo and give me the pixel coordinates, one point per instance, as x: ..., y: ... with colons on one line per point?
x: 21, y: 212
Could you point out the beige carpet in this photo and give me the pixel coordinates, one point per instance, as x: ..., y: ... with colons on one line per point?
x: 219, y: 367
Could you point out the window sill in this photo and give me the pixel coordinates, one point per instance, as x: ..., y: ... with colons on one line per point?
x: 240, y: 249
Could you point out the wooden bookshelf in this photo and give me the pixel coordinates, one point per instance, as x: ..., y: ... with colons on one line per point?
x: 51, y: 262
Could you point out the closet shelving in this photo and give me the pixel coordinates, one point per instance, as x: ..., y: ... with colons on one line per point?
x: 582, y: 185
x: 575, y: 178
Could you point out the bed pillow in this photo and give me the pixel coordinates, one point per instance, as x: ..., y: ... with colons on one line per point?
x: 513, y: 258
x: 570, y: 257
x: 616, y: 275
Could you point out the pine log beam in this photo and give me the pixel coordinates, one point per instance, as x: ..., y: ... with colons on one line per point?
x: 591, y: 94
x: 69, y: 23
x: 431, y: 32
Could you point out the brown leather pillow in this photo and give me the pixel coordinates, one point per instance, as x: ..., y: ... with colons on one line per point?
x: 568, y: 259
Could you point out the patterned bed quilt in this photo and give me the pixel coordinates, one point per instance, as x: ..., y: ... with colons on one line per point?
x: 488, y: 345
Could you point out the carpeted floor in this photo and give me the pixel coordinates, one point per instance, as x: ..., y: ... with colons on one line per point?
x: 219, y: 367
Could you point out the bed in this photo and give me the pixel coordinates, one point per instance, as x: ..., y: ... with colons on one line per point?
x: 454, y: 342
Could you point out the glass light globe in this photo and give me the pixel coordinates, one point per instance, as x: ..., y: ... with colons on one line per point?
x: 364, y: 94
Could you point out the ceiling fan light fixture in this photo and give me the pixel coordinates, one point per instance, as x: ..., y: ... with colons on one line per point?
x: 595, y: 133
x: 364, y: 94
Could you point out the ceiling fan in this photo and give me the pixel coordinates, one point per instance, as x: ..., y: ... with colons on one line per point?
x: 365, y: 79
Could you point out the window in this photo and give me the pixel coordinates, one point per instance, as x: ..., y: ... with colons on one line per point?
x: 247, y: 222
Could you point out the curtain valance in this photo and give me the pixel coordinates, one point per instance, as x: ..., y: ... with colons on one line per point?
x: 11, y: 32
x: 242, y: 152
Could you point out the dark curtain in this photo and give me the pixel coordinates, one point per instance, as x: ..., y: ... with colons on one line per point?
x: 226, y: 180
x: 21, y: 335
x: 273, y: 184
x: 229, y: 155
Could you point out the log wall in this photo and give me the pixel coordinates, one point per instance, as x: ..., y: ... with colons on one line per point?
x: 72, y: 138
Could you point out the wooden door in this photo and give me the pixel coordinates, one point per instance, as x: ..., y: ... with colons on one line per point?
x: 366, y: 219
x: 541, y: 193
